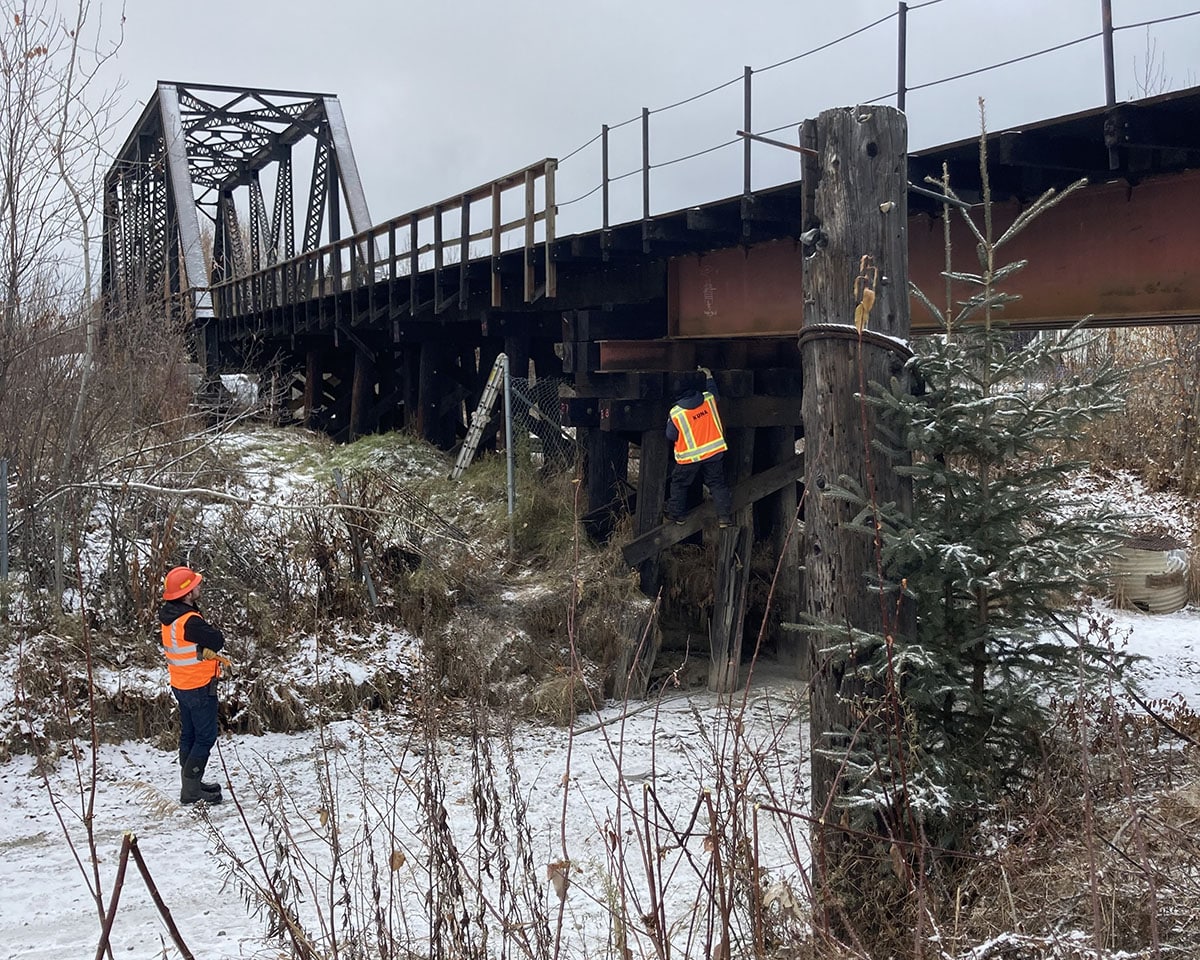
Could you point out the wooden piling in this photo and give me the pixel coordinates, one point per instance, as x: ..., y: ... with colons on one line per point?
x: 362, y: 394
x: 653, y: 468
x: 856, y: 193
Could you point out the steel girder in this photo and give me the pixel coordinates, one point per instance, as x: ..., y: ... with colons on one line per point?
x: 200, y: 150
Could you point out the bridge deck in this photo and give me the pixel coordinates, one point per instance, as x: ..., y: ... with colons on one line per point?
x: 1120, y: 250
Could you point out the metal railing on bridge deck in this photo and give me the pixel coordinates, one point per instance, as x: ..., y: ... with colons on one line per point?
x: 413, y: 244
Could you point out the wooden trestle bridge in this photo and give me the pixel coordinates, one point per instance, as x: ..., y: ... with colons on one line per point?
x: 397, y: 324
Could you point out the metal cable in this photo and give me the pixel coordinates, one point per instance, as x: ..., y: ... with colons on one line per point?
x: 1150, y: 23
x: 1006, y: 63
x: 680, y: 103
x: 582, y: 148
x: 826, y: 46
x: 782, y: 126
x: 698, y: 153
x: 582, y: 196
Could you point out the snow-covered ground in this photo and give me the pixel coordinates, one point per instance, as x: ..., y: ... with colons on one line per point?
x: 580, y: 793
x: 45, y: 911
x: 668, y: 747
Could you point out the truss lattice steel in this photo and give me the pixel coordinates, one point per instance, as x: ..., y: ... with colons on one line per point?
x: 200, y: 150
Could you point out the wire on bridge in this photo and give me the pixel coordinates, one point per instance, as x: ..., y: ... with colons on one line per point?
x: 831, y: 43
x: 1005, y: 63
x: 1151, y: 23
x: 699, y: 96
x: 580, y: 149
x: 825, y: 46
x: 698, y: 153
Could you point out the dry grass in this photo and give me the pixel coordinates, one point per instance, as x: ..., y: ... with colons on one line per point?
x: 1158, y: 437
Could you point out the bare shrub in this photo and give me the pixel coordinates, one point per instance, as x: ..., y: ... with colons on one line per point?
x: 1158, y: 438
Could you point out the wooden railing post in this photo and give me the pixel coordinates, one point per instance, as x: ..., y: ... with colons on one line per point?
x: 497, y: 210
x: 530, y: 220
x: 551, y: 211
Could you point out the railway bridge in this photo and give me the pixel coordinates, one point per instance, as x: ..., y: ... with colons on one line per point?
x: 396, y: 324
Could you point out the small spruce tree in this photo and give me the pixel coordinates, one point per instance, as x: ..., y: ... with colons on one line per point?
x: 992, y: 556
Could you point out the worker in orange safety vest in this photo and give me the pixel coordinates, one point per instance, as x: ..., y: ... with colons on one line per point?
x: 694, y: 427
x: 190, y: 645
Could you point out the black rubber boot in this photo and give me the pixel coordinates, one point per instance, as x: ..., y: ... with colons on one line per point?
x: 192, y: 789
x: 205, y: 785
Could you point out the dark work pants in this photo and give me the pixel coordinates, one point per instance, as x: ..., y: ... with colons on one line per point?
x: 684, y: 475
x: 197, y: 726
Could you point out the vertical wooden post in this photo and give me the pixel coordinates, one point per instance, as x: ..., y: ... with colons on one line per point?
x: 732, y: 575
x: 653, y: 468
x: 410, y: 373
x: 777, y: 445
x: 517, y: 349
x: 606, y: 466
x: 388, y: 394
x: 857, y: 190
x: 546, y: 363
x: 362, y: 395
x: 314, y: 387
x: 434, y: 420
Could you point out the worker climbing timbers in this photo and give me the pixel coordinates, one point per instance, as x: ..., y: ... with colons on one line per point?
x: 695, y: 429
x: 191, y: 646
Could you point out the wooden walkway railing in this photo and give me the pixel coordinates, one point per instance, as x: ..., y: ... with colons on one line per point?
x: 435, y: 239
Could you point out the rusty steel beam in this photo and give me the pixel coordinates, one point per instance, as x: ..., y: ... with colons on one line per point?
x: 1123, y: 255
x: 744, y: 353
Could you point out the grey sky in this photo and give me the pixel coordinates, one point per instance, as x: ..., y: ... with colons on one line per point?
x: 441, y: 96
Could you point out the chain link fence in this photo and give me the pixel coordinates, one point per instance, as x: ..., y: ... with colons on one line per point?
x: 537, y: 423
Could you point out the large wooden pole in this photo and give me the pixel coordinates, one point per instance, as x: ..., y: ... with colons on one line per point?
x: 855, y: 190
x: 362, y: 394
x: 314, y: 383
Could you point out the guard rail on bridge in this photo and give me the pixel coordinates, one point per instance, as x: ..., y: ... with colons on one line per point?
x: 395, y: 249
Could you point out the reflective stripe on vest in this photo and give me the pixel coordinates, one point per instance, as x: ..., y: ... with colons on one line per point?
x: 186, y: 669
x: 700, y: 433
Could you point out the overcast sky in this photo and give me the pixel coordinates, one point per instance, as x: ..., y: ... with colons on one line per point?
x: 444, y: 95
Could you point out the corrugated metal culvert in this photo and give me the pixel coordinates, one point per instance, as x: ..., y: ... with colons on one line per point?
x: 1151, y: 574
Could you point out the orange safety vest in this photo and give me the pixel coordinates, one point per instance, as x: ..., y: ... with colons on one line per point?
x: 700, y: 433
x: 187, y: 670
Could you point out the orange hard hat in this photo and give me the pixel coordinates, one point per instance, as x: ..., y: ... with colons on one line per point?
x: 180, y: 581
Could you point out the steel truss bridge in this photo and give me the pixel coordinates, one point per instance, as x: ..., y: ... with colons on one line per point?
x: 224, y: 210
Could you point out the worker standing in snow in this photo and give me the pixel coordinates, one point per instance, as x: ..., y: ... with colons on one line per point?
x: 694, y: 427
x: 190, y: 645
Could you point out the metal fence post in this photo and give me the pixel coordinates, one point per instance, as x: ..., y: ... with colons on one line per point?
x: 645, y: 163
x: 604, y: 173
x: 746, y: 125
x: 1110, y: 75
